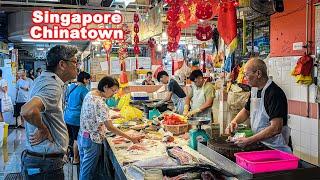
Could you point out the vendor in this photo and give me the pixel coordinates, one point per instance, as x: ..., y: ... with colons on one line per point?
x: 200, y: 97
x: 176, y: 93
x: 269, y: 111
x: 148, y: 80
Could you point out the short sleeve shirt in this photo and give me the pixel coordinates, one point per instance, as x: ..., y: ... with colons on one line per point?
x: 209, y: 91
x: 23, y: 95
x: 175, y: 88
x: 94, y: 113
x: 49, y: 89
x: 75, y: 100
x: 275, y: 103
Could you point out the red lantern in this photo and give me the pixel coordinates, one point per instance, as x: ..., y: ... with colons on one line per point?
x: 136, y: 50
x: 172, y: 47
x: 175, y: 38
x: 184, y: 17
x: 204, y: 33
x: 173, y: 30
x: 136, y: 17
x: 173, y: 13
x: 173, y: 2
x: 136, y: 39
x: 204, y: 10
x: 123, y: 77
x: 136, y: 28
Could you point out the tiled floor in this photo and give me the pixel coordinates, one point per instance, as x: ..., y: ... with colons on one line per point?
x: 10, y: 153
x: 10, y: 156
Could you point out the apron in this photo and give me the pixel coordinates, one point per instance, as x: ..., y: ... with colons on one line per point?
x: 198, y: 99
x: 178, y: 103
x: 260, y: 120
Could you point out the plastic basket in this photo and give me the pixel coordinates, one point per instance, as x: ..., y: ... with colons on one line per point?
x: 266, y: 161
x: 177, y: 129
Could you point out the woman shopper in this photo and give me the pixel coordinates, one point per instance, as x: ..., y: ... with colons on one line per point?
x: 94, y: 123
x: 74, y: 98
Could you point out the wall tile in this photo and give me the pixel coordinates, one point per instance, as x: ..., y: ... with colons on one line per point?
x: 286, y: 65
x: 305, y: 154
x: 303, y: 109
x: 295, y: 136
x: 314, y: 127
x: 294, y: 107
x: 294, y: 122
x: 314, y: 157
x: 297, y: 151
x: 312, y: 93
x: 314, y: 143
x: 287, y: 90
x: 303, y: 93
x: 314, y: 110
x: 295, y: 93
x: 306, y: 125
x: 292, y: 81
x: 305, y: 140
x: 285, y: 77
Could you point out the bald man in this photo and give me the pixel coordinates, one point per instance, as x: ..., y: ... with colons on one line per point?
x: 268, y: 109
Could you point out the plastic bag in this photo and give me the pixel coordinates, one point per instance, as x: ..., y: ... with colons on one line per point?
x: 6, y: 104
x: 124, y: 101
x: 129, y: 113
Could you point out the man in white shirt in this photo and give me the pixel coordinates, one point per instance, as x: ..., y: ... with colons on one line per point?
x: 24, y: 85
x: 3, y: 91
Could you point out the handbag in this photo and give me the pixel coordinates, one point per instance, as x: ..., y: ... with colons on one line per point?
x: 6, y: 104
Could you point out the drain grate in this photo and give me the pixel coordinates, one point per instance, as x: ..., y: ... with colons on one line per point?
x: 13, y: 176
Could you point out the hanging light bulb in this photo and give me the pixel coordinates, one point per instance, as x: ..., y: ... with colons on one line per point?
x: 164, y: 35
x: 159, y: 47
x: 190, y: 47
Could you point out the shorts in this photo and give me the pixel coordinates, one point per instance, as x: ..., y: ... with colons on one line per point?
x: 73, y: 133
x: 17, y: 109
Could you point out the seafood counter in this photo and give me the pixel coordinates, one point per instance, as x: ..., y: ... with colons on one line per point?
x: 160, y: 158
x: 174, y: 147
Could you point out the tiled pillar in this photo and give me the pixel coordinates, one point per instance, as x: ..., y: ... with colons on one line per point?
x: 223, y: 111
x: 304, y: 127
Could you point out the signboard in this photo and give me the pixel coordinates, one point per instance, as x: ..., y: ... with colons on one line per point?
x: 151, y: 25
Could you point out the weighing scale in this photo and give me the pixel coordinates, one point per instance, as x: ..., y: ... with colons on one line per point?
x: 197, y: 134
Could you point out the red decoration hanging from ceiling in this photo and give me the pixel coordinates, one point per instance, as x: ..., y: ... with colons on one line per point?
x: 204, y: 10
x: 204, y: 33
x: 136, y: 49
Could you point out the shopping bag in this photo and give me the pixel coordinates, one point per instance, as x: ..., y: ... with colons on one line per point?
x: 6, y: 104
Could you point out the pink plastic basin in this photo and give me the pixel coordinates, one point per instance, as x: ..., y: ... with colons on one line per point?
x: 266, y: 161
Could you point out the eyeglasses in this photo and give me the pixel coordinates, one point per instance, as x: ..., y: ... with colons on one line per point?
x: 74, y: 62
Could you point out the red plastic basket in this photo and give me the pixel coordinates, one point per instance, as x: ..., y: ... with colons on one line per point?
x: 266, y: 161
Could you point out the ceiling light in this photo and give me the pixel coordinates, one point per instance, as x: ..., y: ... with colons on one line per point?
x: 43, y: 40
x: 164, y: 35
x: 159, y: 47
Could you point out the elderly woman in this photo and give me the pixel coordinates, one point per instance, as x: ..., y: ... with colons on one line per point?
x: 94, y: 120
